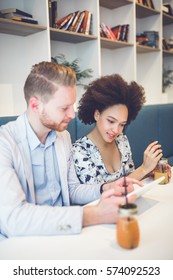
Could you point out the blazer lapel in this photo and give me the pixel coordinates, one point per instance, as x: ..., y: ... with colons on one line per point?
x: 23, y: 146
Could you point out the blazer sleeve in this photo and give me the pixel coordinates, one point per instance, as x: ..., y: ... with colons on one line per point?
x: 19, y: 215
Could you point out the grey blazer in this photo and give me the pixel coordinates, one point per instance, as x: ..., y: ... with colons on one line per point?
x: 19, y: 214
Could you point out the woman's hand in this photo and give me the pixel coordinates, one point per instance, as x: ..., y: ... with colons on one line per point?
x: 152, y: 155
x: 169, y: 171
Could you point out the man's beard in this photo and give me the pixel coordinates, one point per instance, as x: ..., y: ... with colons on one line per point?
x: 47, y: 122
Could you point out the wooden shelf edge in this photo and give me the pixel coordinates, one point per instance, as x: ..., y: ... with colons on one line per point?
x: 12, y: 27
x: 144, y: 11
x: 112, y: 44
x: 146, y: 49
x: 112, y: 4
x: 70, y: 37
x: 167, y: 53
x: 167, y: 19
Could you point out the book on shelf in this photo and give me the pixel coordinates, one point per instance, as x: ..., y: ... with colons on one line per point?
x: 116, y: 30
x: 13, y: 15
x: 84, y: 22
x: 50, y: 12
x: 169, y: 8
x: 79, y: 21
x: 15, y: 11
x: 110, y: 31
x: 139, y: 2
x: 165, y: 9
x: 26, y: 20
x: 54, y: 12
x: 52, y: 7
x: 88, y: 24
x: 121, y: 32
x: 150, y: 4
x: 107, y: 31
x: 170, y: 44
x: 148, y: 38
x: 141, y: 39
x: 124, y: 36
x: 165, y: 45
x: 69, y: 22
x: 60, y: 23
x: 20, y: 18
x: 91, y: 24
x: 147, y: 3
x: 101, y: 32
x: 72, y: 27
x: 153, y: 38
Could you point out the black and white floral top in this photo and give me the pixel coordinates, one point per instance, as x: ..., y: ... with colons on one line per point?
x: 89, y: 164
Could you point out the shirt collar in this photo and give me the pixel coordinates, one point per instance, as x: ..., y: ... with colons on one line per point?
x: 33, y: 140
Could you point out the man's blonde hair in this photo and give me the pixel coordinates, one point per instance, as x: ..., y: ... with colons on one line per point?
x: 44, y: 79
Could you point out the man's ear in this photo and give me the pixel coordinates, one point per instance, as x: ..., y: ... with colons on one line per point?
x: 96, y: 115
x: 34, y: 103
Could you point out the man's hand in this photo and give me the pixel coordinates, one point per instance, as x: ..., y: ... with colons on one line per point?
x: 106, y: 210
x: 118, y: 186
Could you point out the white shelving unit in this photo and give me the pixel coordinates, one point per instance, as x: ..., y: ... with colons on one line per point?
x: 23, y: 45
x: 167, y: 55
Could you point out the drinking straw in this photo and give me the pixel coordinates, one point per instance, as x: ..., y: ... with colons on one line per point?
x: 125, y: 185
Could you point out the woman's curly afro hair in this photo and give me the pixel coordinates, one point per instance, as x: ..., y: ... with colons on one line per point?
x: 108, y: 91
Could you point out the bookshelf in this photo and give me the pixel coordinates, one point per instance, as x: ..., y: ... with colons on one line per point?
x: 23, y: 45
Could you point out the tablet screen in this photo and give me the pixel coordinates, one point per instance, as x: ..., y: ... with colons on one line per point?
x: 138, y: 191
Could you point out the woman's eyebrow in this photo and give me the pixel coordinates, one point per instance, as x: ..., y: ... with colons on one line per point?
x: 116, y: 119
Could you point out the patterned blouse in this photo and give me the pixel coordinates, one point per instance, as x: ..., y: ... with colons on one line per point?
x: 89, y: 164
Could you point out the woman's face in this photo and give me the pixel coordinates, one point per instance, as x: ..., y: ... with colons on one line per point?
x: 111, y: 122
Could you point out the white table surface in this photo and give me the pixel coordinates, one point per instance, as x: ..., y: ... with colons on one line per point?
x: 99, y: 242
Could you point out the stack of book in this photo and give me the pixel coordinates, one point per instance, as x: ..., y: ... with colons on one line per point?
x: 118, y: 32
x: 79, y: 21
x: 147, y: 3
x: 167, y: 44
x: 148, y: 38
x: 18, y: 15
x: 167, y: 8
x: 141, y: 39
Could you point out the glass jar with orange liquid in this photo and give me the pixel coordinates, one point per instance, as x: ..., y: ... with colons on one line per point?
x: 162, y: 170
x: 128, y: 234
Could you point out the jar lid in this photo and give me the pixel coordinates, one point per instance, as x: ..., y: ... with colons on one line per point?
x: 128, y: 209
x: 163, y: 161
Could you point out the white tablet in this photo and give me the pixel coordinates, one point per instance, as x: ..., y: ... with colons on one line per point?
x: 138, y: 191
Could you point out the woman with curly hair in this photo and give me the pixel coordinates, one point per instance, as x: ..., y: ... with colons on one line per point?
x: 110, y: 103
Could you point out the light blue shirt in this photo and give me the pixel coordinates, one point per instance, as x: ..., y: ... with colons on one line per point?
x: 45, y: 168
